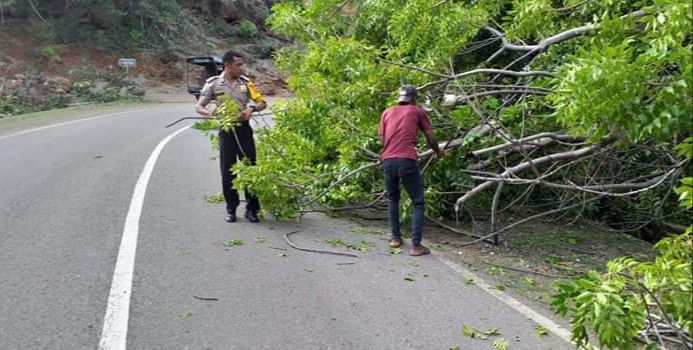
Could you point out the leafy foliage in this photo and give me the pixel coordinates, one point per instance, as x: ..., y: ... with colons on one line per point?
x: 617, y: 75
x: 614, y: 303
x: 617, y: 303
x: 626, y: 75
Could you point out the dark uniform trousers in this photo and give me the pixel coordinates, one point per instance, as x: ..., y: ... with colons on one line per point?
x: 231, y: 149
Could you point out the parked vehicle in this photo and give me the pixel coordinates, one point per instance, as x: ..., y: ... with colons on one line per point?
x: 198, y: 70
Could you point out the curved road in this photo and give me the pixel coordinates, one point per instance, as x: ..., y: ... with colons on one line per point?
x: 65, y: 195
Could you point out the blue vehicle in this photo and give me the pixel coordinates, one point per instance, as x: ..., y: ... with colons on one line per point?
x: 198, y: 70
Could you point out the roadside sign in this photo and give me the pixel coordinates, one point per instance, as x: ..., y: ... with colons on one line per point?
x: 127, y: 62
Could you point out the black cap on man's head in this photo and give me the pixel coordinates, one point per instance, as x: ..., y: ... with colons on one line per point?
x: 406, y: 94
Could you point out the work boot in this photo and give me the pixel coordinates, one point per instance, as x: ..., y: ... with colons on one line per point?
x: 251, y: 215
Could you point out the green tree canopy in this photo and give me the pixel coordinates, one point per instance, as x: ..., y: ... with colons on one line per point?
x: 577, y: 104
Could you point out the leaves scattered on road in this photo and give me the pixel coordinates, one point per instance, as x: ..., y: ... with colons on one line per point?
x: 214, y: 198
x: 186, y: 314
x: 413, y: 263
x: 259, y: 239
x: 365, y: 232
x: 500, y: 344
x: 540, y: 331
x: 361, y: 246
x: 395, y: 251
x: 499, y: 287
x: 232, y: 243
x: 478, y: 334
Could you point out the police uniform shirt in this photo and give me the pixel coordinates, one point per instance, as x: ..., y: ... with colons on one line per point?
x: 242, y: 90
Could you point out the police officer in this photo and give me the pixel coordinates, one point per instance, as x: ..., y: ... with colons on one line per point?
x: 237, y: 143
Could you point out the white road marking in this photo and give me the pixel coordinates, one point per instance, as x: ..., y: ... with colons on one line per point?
x: 115, y: 325
x: 76, y: 121
x: 523, y: 309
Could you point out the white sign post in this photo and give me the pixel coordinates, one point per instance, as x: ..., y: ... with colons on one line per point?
x: 127, y: 63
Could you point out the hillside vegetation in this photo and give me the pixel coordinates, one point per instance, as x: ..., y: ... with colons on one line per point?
x: 53, y: 53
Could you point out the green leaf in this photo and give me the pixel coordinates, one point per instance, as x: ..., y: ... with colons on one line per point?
x: 500, y: 344
x: 467, y: 331
x: 492, y: 332
x: 186, y: 314
x: 214, y: 198
x: 540, y: 331
x: 232, y: 243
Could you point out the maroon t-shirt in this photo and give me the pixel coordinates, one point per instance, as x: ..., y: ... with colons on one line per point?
x: 398, y: 127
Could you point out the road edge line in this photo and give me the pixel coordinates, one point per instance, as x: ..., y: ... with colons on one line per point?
x: 50, y: 126
x: 115, y: 325
x: 513, y: 303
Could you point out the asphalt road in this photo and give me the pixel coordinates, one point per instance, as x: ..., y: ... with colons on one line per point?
x: 65, y: 192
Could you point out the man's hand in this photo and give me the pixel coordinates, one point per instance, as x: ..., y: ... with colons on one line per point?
x: 245, y: 114
x: 205, y: 111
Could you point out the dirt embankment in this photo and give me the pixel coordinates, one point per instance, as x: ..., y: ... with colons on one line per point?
x: 38, y: 72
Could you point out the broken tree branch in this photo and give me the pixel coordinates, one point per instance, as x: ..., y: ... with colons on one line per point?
x: 540, y: 139
x: 551, y: 158
x: 344, y: 178
x: 612, y: 190
x: 555, y: 39
x: 447, y: 78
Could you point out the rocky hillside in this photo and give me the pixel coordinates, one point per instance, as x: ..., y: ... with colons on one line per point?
x: 60, y: 52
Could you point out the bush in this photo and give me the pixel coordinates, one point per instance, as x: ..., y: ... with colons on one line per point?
x: 247, y: 29
x: 50, y: 53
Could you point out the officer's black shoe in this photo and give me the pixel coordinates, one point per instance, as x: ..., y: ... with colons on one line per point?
x: 251, y: 215
x: 230, y: 218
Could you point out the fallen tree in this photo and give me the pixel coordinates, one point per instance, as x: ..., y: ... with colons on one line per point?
x: 555, y: 105
x: 547, y: 109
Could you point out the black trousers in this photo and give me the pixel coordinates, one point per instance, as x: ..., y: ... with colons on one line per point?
x: 237, y: 144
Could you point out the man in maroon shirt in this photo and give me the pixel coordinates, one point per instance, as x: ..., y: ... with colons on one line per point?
x: 398, y: 130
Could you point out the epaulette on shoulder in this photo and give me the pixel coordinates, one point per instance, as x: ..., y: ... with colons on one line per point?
x: 209, y: 80
x: 246, y: 79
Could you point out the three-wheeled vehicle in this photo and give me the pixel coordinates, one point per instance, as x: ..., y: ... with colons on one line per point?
x: 198, y: 70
